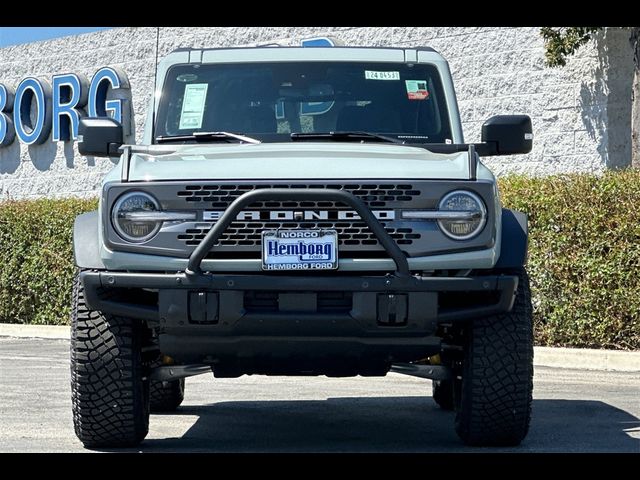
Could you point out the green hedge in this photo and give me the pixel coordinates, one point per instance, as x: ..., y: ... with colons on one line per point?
x: 584, y: 257
x: 36, y: 259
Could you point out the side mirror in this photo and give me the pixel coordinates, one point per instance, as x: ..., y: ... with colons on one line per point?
x: 507, y: 135
x: 99, y: 137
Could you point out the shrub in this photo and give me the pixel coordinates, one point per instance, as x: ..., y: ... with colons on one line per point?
x: 36, y: 259
x: 584, y: 256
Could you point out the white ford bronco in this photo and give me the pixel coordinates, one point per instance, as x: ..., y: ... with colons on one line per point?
x: 301, y: 211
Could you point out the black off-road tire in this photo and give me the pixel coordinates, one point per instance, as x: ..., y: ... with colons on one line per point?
x: 166, y: 396
x: 110, y: 397
x: 443, y: 393
x: 497, y: 376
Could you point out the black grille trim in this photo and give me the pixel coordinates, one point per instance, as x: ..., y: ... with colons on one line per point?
x: 373, y: 194
x: 249, y: 234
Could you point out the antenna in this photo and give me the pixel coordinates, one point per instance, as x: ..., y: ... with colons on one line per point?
x: 155, y: 85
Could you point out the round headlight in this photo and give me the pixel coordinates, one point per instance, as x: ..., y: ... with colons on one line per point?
x: 462, y: 228
x: 125, y: 217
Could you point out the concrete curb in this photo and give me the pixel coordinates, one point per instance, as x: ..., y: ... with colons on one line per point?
x: 579, y: 358
x: 35, y: 331
x: 587, y: 359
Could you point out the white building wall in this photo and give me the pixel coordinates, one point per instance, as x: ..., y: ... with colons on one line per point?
x: 580, y: 113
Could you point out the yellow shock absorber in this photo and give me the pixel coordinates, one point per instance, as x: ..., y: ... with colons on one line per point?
x: 435, y: 359
x: 167, y: 360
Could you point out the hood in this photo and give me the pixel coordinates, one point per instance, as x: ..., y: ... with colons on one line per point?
x: 292, y: 161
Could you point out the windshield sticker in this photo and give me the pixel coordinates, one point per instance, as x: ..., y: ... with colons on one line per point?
x: 417, y: 89
x: 372, y: 75
x: 195, y: 95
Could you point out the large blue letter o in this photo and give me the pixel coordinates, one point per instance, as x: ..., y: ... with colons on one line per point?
x: 37, y: 130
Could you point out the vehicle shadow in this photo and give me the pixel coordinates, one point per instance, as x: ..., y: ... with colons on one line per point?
x: 385, y: 424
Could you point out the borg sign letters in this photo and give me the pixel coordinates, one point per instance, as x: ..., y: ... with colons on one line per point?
x: 37, y: 108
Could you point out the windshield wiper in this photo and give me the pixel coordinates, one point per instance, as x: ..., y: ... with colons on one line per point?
x: 207, y: 137
x: 345, y: 137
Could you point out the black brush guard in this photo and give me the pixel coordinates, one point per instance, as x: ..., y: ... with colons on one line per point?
x: 298, y: 194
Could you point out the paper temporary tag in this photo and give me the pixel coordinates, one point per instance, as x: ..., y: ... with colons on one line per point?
x: 417, y: 89
x: 195, y: 95
x: 373, y: 75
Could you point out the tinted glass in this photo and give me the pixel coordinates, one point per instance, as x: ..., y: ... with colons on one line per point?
x: 269, y: 101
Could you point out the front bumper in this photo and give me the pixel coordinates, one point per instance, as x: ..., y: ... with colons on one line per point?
x: 258, y: 323
x: 180, y: 295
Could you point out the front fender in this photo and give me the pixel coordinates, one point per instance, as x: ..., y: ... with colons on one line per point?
x: 514, y: 240
x: 86, y: 246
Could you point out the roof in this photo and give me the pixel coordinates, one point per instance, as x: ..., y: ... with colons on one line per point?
x: 271, y: 53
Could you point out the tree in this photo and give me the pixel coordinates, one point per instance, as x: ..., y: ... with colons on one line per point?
x: 561, y: 42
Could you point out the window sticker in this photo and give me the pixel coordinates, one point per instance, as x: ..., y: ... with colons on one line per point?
x: 417, y: 89
x: 373, y: 75
x: 195, y: 95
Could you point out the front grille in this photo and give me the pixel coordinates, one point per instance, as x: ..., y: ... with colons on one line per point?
x: 351, y: 234
x: 249, y: 233
x: 375, y: 195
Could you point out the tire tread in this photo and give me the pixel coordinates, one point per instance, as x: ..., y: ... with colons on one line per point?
x: 109, y: 401
x: 166, y: 396
x: 497, y: 383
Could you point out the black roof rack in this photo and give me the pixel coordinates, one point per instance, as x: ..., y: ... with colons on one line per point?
x: 276, y: 45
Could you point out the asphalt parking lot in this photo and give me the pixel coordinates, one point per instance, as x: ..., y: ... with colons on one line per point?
x: 574, y: 411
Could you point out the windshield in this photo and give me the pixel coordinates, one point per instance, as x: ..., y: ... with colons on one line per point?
x: 270, y: 101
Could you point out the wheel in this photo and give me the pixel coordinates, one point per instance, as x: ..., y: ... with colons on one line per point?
x: 497, y: 375
x: 166, y: 396
x: 110, y: 397
x: 443, y: 394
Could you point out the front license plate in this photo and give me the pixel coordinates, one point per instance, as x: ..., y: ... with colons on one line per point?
x: 299, y: 250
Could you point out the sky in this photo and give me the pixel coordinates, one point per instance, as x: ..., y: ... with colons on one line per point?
x: 17, y: 35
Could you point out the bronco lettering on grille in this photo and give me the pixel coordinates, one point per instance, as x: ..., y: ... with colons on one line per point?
x: 279, y: 215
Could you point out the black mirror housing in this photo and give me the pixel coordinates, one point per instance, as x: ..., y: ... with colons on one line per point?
x: 507, y: 135
x: 99, y: 137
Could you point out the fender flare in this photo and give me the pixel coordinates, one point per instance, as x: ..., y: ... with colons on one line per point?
x: 514, y: 240
x: 86, y: 246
